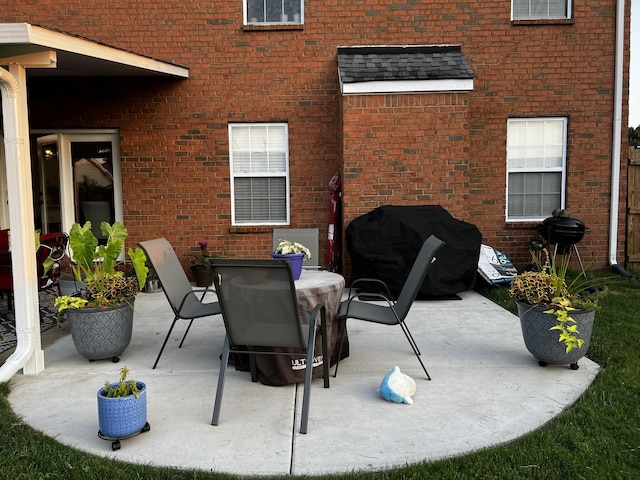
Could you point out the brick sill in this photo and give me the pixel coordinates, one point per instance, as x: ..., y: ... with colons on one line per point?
x: 241, y: 230
x: 522, y: 226
x: 273, y: 27
x: 544, y: 21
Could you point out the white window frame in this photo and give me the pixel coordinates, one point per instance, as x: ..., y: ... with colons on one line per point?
x: 540, y: 16
x: 535, y: 143
x: 285, y: 17
x: 256, y: 173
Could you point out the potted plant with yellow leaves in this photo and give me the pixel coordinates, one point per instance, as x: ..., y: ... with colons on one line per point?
x: 556, y: 316
x: 101, y: 314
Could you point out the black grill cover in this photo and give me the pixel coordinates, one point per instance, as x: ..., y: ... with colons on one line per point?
x: 384, y: 243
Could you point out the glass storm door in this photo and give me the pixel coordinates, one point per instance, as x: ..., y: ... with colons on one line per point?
x: 79, y: 181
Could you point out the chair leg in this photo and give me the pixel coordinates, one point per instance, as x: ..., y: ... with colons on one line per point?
x: 165, y: 342
x: 185, y: 333
x: 335, y: 373
x: 221, y: 377
x: 308, y: 373
x: 326, y: 357
x: 414, y: 347
x: 407, y: 333
x: 253, y: 368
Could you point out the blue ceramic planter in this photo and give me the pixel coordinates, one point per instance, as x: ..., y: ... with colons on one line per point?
x: 123, y: 416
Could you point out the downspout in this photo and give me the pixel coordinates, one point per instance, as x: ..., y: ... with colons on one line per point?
x: 617, y: 139
x: 26, y: 355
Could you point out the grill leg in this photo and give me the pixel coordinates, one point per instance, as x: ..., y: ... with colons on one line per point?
x: 563, y: 251
x: 584, y: 274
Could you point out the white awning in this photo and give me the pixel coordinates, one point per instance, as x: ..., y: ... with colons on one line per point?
x: 44, y: 52
x: 75, y: 56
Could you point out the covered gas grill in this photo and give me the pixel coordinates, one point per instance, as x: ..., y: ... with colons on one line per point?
x: 565, y: 233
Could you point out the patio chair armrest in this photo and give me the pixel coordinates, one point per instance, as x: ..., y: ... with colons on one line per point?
x: 196, y: 290
x: 381, y: 296
x: 386, y: 294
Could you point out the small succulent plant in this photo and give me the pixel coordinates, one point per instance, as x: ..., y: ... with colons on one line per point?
x: 123, y: 388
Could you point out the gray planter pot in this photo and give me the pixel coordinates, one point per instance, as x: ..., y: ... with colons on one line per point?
x: 101, y: 333
x: 68, y: 285
x: 152, y: 286
x: 543, y: 343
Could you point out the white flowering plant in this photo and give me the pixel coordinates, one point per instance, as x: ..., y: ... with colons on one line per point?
x: 286, y: 247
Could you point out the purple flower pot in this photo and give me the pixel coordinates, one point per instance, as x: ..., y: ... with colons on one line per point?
x: 295, y: 261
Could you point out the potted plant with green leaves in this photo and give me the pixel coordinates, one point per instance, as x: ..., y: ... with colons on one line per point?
x: 200, y: 268
x: 153, y: 284
x: 122, y: 409
x: 294, y: 253
x: 556, y: 315
x: 101, y: 314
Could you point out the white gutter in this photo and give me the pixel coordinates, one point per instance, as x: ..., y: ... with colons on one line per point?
x: 617, y: 136
x: 28, y: 355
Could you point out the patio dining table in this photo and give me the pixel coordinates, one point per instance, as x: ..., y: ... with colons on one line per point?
x: 313, y: 288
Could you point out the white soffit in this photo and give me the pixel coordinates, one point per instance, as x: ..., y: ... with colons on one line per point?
x: 77, y: 56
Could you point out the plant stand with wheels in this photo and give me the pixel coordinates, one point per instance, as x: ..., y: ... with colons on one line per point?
x: 123, y: 414
x: 115, y: 441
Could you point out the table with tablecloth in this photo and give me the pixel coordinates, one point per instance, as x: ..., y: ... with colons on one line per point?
x: 314, y: 287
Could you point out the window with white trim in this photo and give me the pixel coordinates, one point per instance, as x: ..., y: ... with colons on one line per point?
x: 540, y: 9
x: 273, y: 11
x: 536, y: 160
x: 259, y: 165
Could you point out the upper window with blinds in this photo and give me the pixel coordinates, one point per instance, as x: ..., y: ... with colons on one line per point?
x: 259, y: 165
x: 258, y: 12
x: 540, y: 9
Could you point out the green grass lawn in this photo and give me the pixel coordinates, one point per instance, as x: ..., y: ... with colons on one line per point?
x: 598, y: 438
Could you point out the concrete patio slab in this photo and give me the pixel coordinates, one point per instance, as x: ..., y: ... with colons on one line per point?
x: 486, y: 390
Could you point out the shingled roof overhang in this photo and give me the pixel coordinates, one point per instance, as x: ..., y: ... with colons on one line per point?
x: 403, y: 69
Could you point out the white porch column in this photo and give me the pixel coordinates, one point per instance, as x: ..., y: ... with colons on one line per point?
x: 28, y: 355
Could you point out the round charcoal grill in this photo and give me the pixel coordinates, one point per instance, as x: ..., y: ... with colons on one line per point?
x: 564, y: 233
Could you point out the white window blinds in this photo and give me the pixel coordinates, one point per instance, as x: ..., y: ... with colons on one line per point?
x: 540, y: 9
x: 259, y: 171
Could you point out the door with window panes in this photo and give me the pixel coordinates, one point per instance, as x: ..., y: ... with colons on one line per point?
x: 79, y: 181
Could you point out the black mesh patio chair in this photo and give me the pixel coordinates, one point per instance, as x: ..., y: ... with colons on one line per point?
x: 394, y: 312
x: 260, y: 312
x: 181, y: 296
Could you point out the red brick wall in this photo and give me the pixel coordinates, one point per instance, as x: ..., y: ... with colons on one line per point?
x: 174, y: 133
x: 405, y: 150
